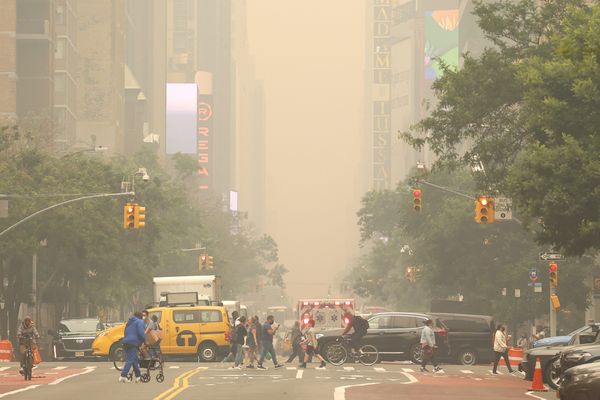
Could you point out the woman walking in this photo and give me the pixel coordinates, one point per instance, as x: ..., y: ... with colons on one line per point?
x: 500, y: 349
x: 296, y: 338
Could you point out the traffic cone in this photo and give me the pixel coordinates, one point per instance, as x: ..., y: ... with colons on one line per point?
x: 538, y: 383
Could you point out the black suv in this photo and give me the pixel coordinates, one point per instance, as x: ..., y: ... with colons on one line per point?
x: 396, y: 335
x: 470, y: 337
x: 74, y: 338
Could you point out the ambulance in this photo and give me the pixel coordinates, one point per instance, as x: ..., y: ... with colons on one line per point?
x: 327, y: 313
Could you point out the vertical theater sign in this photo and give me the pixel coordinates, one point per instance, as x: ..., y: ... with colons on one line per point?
x: 205, y: 128
x: 382, y: 73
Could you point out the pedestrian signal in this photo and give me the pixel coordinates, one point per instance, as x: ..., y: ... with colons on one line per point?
x: 484, y: 210
x: 417, y: 199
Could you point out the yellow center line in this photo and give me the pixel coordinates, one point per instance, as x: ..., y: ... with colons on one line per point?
x: 176, y: 388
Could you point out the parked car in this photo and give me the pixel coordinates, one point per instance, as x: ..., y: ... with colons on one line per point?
x: 470, y: 337
x: 199, y: 331
x: 549, y: 356
x: 396, y: 335
x: 74, y: 338
x: 562, y: 340
x: 578, y: 355
x: 581, y: 382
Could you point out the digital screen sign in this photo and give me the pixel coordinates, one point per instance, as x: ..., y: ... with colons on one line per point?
x: 181, y: 118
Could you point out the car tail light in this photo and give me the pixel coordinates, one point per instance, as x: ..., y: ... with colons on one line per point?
x: 442, y: 332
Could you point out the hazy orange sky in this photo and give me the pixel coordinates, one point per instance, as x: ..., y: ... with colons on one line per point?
x: 310, y: 55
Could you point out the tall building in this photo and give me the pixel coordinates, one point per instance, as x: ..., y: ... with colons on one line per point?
x: 27, y: 62
x: 405, y: 41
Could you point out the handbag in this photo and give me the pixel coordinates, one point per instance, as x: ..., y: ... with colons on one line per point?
x: 37, y: 357
x: 151, y: 338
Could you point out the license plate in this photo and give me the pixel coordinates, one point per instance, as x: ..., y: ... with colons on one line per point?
x: 79, y: 354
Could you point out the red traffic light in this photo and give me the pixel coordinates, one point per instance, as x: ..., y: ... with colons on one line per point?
x: 483, y: 201
x: 553, y: 267
x: 417, y: 193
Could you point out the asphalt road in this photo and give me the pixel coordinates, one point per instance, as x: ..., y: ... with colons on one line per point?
x: 188, y: 380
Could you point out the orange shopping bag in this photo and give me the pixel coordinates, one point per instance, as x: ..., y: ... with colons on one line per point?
x: 37, y: 357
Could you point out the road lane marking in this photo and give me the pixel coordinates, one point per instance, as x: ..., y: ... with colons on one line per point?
x: 534, y: 396
x: 179, y: 385
x: 466, y: 371
x: 87, y: 370
x: 19, y: 390
x: 4, y: 368
x: 379, y: 369
x: 299, y: 374
x: 291, y: 368
x: 59, y: 368
x: 411, y: 379
x: 174, y: 367
x: 340, y: 392
x: 348, y: 368
x: 408, y: 370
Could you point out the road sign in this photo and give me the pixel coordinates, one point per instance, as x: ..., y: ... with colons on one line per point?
x: 551, y: 256
x: 537, y: 287
x: 517, y: 292
x: 503, y: 208
x: 533, y: 275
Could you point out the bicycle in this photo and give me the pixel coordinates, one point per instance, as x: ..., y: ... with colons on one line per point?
x: 28, y: 358
x: 340, y: 351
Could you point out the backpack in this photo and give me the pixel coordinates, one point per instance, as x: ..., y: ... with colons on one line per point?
x: 360, y: 324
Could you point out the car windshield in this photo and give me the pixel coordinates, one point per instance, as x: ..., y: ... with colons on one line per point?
x: 80, y: 325
x: 579, y: 330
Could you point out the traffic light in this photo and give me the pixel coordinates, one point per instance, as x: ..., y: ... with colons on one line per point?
x: 209, y: 262
x: 484, y: 210
x: 203, y: 260
x: 555, y: 301
x: 410, y: 274
x: 129, y: 216
x: 140, y: 217
x: 417, y: 199
x: 553, y: 275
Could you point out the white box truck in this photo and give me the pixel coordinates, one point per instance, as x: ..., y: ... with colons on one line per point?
x: 208, y: 287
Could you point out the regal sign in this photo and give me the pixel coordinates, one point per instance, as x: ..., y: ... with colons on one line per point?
x: 205, y: 128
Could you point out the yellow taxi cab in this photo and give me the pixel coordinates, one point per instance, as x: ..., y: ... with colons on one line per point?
x: 187, y: 330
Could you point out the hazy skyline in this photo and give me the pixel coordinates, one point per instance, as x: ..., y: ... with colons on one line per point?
x: 310, y: 55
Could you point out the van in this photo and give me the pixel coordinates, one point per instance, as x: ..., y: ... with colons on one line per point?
x: 470, y: 337
x: 190, y: 330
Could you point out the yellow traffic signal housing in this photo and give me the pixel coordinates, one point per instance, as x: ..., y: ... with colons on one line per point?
x: 129, y: 211
x: 209, y: 262
x: 140, y: 217
x: 555, y: 302
x: 484, y: 210
x: 554, y: 275
x: 417, y: 199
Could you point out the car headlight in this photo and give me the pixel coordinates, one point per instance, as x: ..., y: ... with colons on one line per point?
x: 319, y: 336
x: 575, y: 357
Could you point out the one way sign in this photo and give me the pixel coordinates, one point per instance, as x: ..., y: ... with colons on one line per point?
x: 551, y: 256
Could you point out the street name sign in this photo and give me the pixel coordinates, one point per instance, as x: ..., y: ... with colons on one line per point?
x: 503, y: 208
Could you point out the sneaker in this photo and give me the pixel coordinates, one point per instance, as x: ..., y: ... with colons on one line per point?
x: 239, y: 367
x: 138, y: 379
x: 122, y: 379
x: 278, y: 366
x: 321, y: 366
x: 438, y: 369
x: 232, y: 367
x: 250, y: 366
x: 261, y: 367
x: 494, y: 373
x: 423, y: 369
x: 303, y: 365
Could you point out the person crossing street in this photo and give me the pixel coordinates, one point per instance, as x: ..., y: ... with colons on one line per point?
x: 269, y: 329
x: 428, y: 346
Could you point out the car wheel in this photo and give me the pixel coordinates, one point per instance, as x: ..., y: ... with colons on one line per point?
x: 467, y: 357
x: 207, y: 352
x: 117, y: 353
x: 551, y: 375
x: 416, y: 353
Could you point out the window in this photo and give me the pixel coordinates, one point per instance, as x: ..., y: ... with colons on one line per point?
x: 59, y: 50
x: 401, y: 321
x: 211, y: 316
x: 60, y: 15
x: 185, y: 317
x: 466, y: 325
x: 380, y: 322
x: 158, y: 315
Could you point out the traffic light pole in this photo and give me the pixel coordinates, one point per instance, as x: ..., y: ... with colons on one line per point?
x: 95, y: 196
x: 552, y: 310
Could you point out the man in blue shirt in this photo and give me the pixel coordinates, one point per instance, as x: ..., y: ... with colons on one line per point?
x: 267, y: 333
x: 134, y: 338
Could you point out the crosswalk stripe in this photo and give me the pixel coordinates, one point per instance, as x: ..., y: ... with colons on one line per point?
x: 348, y: 368
x: 299, y: 374
x: 466, y: 371
x: 291, y: 368
x: 174, y: 366
x: 379, y: 369
x: 4, y: 368
x: 408, y: 370
x: 59, y: 368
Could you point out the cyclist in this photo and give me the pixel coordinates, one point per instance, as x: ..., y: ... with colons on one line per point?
x: 26, y: 329
x: 360, y: 326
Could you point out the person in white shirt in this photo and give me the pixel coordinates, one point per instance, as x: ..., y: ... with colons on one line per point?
x: 501, y: 349
x: 428, y: 345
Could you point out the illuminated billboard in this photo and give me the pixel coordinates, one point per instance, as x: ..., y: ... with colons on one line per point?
x: 441, y: 41
x: 181, y: 118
